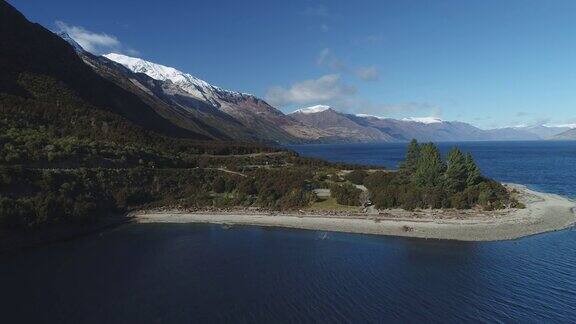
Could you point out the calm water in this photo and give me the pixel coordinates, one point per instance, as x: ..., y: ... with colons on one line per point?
x: 203, y: 273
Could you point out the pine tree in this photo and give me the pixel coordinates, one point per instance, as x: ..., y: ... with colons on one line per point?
x: 474, y: 176
x: 412, y: 156
x: 430, y: 167
x: 457, y: 171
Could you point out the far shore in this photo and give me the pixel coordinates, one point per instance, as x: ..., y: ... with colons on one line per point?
x: 543, y: 213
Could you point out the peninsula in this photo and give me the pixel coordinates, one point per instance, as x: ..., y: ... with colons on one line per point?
x: 543, y: 213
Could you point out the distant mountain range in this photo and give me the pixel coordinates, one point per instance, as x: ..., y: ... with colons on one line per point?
x: 569, y: 135
x: 200, y: 107
x: 367, y: 128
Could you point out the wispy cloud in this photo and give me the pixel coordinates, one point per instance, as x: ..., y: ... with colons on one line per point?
x: 326, y: 58
x: 319, y: 14
x: 317, y: 10
x: 369, y: 40
x: 96, y: 43
x: 325, y: 89
x: 331, y: 90
x: 368, y: 73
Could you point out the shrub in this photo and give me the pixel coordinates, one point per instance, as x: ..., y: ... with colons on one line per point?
x: 357, y: 176
x: 297, y: 198
x: 516, y: 204
x: 346, y: 194
x: 219, y: 185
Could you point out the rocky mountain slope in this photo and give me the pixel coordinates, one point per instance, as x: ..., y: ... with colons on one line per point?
x: 32, y: 56
x: 239, y: 115
x: 339, y: 127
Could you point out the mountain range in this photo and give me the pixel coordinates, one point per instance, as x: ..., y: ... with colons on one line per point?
x: 569, y: 135
x: 318, y: 123
x: 173, y: 102
x: 367, y: 128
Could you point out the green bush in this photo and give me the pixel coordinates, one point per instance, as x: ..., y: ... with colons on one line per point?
x: 357, y: 176
x: 346, y: 194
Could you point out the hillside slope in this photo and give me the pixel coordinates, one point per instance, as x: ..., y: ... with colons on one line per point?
x: 30, y: 52
x: 236, y: 114
x: 339, y: 127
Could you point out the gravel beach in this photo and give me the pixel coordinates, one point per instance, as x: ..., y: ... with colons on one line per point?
x: 543, y: 213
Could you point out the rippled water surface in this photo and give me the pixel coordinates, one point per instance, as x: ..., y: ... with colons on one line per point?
x: 192, y: 273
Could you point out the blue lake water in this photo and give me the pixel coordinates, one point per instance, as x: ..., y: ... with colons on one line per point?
x: 204, y: 273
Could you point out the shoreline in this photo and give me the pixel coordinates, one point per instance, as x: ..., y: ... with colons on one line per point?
x: 544, y: 212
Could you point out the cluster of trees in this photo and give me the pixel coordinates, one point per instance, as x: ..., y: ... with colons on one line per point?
x: 425, y: 180
x: 31, y: 198
x: 357, y: 176
x: 346, y: 194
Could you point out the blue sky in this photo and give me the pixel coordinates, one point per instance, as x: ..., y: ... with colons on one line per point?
x: 490, y: 63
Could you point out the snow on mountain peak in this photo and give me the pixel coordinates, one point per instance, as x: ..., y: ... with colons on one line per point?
x: 369, y: 116
x: 560, y: 125
x: 424, y: 120
x: 313, y: 109
x: 187, y: 82
x: 77, y: 47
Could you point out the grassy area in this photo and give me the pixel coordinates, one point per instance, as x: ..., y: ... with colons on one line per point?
x: 330, y: 204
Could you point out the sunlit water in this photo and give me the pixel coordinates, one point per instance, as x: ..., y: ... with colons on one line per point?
x: 204, y: 273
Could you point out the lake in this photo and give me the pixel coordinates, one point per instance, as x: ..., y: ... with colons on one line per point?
x: 204, y: 273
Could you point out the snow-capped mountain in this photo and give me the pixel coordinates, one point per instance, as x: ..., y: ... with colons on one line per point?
x: 370, y: 128
x: 368, y: 116
x: 201, y: 107
x: 189, y: 83
x: 339, y: 127
x: 263, y: 120
x: 423, y: 120
x: 312, y: 110
x: 71, y: 41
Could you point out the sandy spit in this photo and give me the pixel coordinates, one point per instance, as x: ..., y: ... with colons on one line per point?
x: 543, y: 213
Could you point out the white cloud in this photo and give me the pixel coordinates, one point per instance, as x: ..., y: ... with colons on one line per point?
x: 368, y: 73
x: 325, y: 89
x: 96, y: 43
x: 327, y: 59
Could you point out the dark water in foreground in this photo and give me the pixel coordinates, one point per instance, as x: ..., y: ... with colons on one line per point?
x: 203, y: 273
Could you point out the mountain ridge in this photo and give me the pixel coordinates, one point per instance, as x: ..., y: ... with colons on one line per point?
x: 421, y: 128
x: 199, y: 106
x: 258, y: 119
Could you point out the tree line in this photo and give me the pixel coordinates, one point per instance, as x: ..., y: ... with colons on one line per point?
x: 426, y: 180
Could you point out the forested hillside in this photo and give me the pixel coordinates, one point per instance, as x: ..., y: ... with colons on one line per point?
x: 75, y: 147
